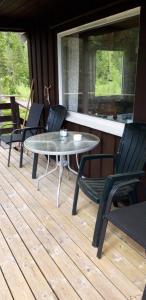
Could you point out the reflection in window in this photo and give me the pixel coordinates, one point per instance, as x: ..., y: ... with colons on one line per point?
x: 98, y: 70
x: 109, y: 65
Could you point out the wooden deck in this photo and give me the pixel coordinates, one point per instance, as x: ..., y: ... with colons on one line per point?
x: 46, y: 253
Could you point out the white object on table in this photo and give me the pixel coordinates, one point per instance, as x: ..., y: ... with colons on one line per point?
x: 77, y: 137
x: 63, y: 132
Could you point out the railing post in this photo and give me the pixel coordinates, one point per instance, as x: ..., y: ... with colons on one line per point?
x: 15, y: 112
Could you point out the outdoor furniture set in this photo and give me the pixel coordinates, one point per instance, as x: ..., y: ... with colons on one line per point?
x: 129, y: 163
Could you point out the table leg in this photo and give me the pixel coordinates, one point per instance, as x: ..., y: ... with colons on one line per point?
x: 69, y: 167
x: 47, y: 173
x: 34, y: 167
x: 59, y: 181
x: 59, y: 164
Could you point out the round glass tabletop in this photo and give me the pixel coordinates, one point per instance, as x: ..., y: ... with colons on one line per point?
x: 52, y: 143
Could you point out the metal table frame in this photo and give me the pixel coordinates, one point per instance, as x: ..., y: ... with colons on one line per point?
x: 59, y: 147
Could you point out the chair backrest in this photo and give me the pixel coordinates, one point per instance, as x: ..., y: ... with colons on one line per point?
x: 34, y: 115
x: 56, y: 116
x: 144, y: 294
x: 132, y: 149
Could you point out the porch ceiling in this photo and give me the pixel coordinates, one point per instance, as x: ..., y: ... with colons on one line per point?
x: 21, y: 8
x: 54, y: 10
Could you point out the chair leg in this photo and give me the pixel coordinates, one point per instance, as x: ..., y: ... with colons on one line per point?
x: 9, y: 156
x: 98, y: 225
x: 21, y: 155
x: 35, y: 163
x: 74, y: 209
x: 102, y: 237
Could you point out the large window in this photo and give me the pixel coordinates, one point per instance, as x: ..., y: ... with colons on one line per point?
x: 97, y: 67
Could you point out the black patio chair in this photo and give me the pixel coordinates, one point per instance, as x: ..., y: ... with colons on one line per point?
x: 144, y: 294
x: 130, y: 219
x: 55, y: 119
x: 128, y: 164
x: 19, y: 135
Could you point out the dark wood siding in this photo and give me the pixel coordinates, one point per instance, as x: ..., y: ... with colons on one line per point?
x: 140, y: 98
x: 43, y: 65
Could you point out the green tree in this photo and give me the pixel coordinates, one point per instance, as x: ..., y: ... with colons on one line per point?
x: 13, y: 63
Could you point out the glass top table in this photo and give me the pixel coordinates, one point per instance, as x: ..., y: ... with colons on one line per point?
x: 52, y: 143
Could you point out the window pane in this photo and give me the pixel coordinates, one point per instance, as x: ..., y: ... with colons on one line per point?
x: 109, y: 65
x: 99, y: 70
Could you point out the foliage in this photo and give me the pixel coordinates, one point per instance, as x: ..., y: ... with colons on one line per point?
x: 23, y: 90
x: 13, y: 64
x: 108, y: 72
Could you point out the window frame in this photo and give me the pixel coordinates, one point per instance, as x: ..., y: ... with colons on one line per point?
x: 99, y: 123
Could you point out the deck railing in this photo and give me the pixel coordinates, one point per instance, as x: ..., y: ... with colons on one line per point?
x: 10, y: 114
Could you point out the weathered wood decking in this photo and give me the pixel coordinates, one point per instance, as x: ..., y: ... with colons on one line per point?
x: 46, y: 253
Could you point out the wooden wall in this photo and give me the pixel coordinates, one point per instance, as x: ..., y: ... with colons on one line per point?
x: 43, y: 69
x: 43, y: 66
x: 140, y: 93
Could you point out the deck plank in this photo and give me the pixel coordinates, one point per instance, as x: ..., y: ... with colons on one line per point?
x: 60, y: 285
x: 5, y: 293
x: 31, y: 268
x: 12, y: 273
x: 59, y: 255
x: 67, y: 237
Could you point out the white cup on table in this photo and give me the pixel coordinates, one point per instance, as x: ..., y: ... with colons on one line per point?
x: 63, y: 132
x: 77, y: 137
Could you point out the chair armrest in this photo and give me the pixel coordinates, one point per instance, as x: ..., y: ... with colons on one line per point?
x: 26, y: 129
x: 116, y: 188
x: 23, y: 131
x: 119, y: 179
x: 19, y: 130
x: 125, y: 176
x: 86, y: 158
x: 30, y: 128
